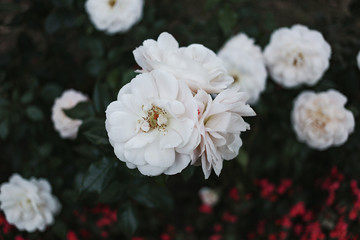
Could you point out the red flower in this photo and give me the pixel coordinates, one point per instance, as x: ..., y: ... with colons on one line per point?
x: 272, y: 236
x: 285, y: 222
x: 285, y: 184
x: 218, y: 227
x: 227, y: 217
x: 189, y: 229
x: 340, y: 230
x: 165, y: 236
x: 215, y: 237
x: 234, y: 194
x: 297, y: 210
x: 71, y: 236
x: 18, y: 237
x: 204, y: 208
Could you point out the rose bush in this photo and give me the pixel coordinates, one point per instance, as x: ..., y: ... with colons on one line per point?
x: 276, y: 186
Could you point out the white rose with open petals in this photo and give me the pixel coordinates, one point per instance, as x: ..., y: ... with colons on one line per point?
x: 196, y: 65
x: 220, y: 124
x: 28, y: 204
x: 114, y: 16
x: 297, y: 56
x: 152, y: 124
x: 244, y: 62
x: 321, y: 120
x: 67, y: 127
x: 358, y: 60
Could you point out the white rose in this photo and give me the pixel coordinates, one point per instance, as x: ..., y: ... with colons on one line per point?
x: 114, y: 16
x: 152, y: 124
x: 208, y: 196
x: 220, y: 124
x: 196, y: 65
x: 67, y: 127
x: 297, y: 56
x: 244, y: 62
x: 321, y: 120
x: 28, y: 204
x: 358, y: 60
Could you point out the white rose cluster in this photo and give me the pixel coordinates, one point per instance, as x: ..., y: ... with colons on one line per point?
x: 165, y: 118
x: 67, y: 127
x: 297, y: 55
x: 321, y: 120
x: 28, y: 204
x: 114, y: 16
x: 245, y: 63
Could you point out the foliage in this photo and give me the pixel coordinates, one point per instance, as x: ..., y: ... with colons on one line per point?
x: 49, y: 46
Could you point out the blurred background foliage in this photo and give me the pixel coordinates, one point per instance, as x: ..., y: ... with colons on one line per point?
x: 50, y: 46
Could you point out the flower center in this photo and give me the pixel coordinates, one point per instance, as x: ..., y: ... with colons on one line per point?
x: 319, y: 118
x: 297, y: 59
x: 112, y: 3
x: 154, y: 118
x: 236, y: 78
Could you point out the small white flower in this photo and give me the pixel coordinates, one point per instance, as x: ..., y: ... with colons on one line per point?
x: 321, y: 120
x: 244, y: 62
x: 152, y: 124
x: 358, y: 60
x: 220, y: 124
x: 114, y: 16
x: 67, y: 127
x: 196, y: 65
x: 208, y: 196
x: 28, y: 204
x: 297, y: 56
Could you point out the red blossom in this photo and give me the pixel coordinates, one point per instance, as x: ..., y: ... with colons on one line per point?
x: 165, y: 236
x: 234, y: 194
x: 285, y: 184
x: 71, y: 235
x: 298, y: 228
x: 251, y: 236
x: 261, y: 227
x: 189, y: 229
x: 227, y: 217
x: 272, y: 236
x: 218, y: 227
x: 340, y: 230
x: 284, y: 222
x: 18, y: 237
x: 215, y: 237
x: 297, y: 210
x: 204, y: 208
x: 104, y: 234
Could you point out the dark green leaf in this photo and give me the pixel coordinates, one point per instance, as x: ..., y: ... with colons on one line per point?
x: 97, y: 136
x: 60, y: 229
x: 227, y: 20
x: 127, y: 219
x: 188, y: 172
x: 53, y: 22
x: 4, y: 129
x: 152, y: 196
x: 98, y: 176
x: 34, y: 113
x: 82, y: 110
x: 101, y: 97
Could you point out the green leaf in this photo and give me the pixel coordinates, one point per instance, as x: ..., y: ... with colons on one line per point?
x: 211, y: 4
x: 227, y: 20
x: 188, y: 172
x: 60, y: 229
x: 4, y: 129
x: 34, y: 113
x: 27, y: 97
x: 115, y: 192
x: 53, y: 22
x: 50, y: 92
x: 243, y: 159
x: 128, y: 76
x: 152, y: 196
x: 97, y: 136
x: 127, y: 219
x: 98, y: 176
x: 101, y: 97
x: 82, y: 110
